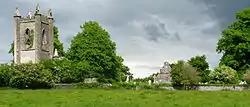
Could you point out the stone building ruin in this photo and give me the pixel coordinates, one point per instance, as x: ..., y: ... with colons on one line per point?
x: 33, y: 36
x: 164, y: 76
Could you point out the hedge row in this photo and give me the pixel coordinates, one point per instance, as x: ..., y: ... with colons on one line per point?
x: 135, y: 86
x: 120, y: 85
x: 25, y: 76
x: 39, y: 75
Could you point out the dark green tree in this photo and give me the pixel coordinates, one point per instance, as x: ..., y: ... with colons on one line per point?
x: 202, y: 66
x: 183, y: 74
x: 93, y: 45
x: 57, y: 44
x: 235, y: 43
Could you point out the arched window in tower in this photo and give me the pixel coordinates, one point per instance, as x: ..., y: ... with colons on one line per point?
x: 26, y: 35
x: 27, y: 31
x: 44, y: 37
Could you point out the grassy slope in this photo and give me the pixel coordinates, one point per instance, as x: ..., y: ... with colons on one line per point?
x: 121, y: 98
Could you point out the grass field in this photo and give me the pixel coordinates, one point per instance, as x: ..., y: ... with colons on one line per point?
x: 121, y: 98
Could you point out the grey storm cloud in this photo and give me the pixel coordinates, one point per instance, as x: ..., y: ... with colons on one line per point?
x: 158, y: 30
x: 147, y: 32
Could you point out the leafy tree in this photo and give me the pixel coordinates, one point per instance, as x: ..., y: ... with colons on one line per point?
x: 234, y: 44
x: 224, y: 75
x: 57, y: 44
x: 202, y: 66
x: 93, y: 45
x: 183, y: 74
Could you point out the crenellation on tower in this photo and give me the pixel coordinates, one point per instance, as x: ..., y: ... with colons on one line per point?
x: 33, y: 37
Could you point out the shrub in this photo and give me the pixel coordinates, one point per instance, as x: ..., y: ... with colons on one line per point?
x: 84, y: 70
x: 184, y: 74
x: 62, y: 70
x: 66, y: 71
x: 224, y: 75
x: 202, y: 66
x: 5, y: 74
x: 189, y: 75
x: 247, y: 76
x: 31, y: 76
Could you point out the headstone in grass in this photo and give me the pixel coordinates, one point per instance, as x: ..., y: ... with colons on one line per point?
x: 90, y: 80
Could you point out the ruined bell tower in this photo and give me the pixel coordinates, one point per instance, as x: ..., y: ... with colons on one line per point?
x: 33, y: 36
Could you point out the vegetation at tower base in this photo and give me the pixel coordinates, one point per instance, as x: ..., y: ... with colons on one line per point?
x: 61, y: 70
x: 66, y: 71
x: 30, y: 76
x: 202, y: 66
x: 183, y: 74
x: 57, y: 43
x: 94, y: 46
x: 234, y: 43
x: 5, y: 74
x: 224, y: 75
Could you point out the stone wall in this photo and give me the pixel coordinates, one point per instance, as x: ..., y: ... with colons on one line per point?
x: 200, y: 88
x: 216, y: 88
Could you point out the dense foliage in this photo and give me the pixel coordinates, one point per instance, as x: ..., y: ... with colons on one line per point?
x: 5, y: 74
x: 202, y: 66
x: 247, y: 76
x: 224, y: 75
x: 184, y: 74
x: 93, y: 46
x: 30, y: 76
x: 234, y: 43
x: 62, y: 70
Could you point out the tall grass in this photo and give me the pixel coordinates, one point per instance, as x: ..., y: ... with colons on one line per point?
x: 122, y: 98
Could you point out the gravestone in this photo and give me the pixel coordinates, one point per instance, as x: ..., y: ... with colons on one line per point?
x: 127, y: 78
x: 149, y: 82
x: 164, y: 77
x: 90, y: 80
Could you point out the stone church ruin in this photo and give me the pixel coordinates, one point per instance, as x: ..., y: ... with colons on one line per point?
x: 164, y: 76
x: 33, y: 36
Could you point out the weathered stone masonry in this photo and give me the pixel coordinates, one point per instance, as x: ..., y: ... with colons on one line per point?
x: 33, y: 37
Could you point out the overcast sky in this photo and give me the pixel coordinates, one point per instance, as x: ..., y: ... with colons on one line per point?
x: 147, y: 32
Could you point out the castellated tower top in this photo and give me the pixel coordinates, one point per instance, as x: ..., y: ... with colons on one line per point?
x: 31, y: 16
x: 33, y: 36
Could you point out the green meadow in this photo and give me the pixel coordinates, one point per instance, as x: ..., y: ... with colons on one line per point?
x: 122, y: 98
